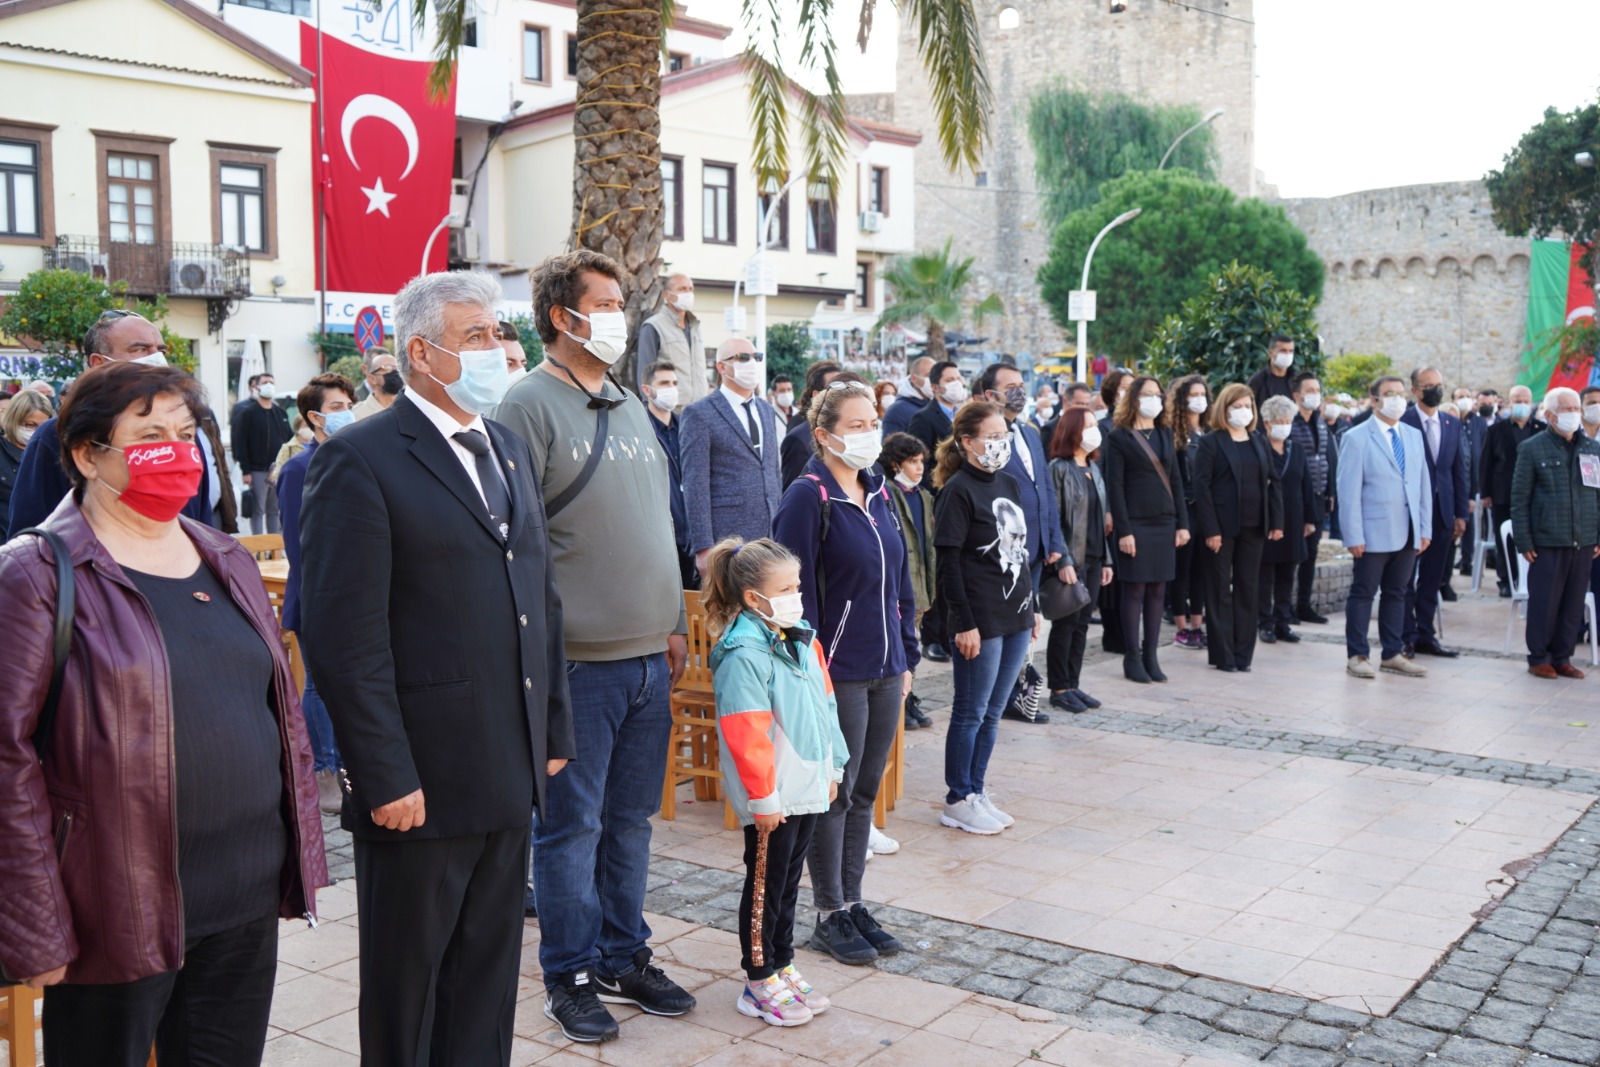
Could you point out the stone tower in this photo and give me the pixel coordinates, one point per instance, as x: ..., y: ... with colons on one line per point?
x: 1161, y: 51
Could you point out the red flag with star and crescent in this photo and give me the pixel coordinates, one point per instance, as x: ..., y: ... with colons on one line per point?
x: 390, y: 150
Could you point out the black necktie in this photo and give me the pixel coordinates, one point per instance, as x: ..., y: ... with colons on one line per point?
x: 494, y: 491
x: 755, y: 424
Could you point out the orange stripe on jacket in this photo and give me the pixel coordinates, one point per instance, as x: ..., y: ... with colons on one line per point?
x: 827, y: 678
x: 749, y: 737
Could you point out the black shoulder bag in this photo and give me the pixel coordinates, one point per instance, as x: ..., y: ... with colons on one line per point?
x: 66, y: 606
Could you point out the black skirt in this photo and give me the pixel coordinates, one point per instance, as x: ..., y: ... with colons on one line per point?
x: 1156, y: 555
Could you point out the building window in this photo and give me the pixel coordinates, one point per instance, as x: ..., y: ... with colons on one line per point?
x: 131, y: 197
x: 780, y: 225
x: 677, y: 61
x: 536, y: 54
x: 716, y: 204
x: 572, y: 55
x: 672, y: 198
x: 822, y: 224
x: 301, y: 8
x: 982, y: 178
x: 20, y: 210
x: 863, y: 286
x: 244, y: 206
x: 878, y: 190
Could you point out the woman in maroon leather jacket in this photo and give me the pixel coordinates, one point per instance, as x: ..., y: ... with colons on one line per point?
x: 173, y: 819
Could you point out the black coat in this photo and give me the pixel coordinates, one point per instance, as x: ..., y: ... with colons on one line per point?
x: 1300, y: 504
x: 1216, y: 487
x: 258, y: 433
x: 930, y: 426
x: 1500, y: 458
x: 10, y: 462
x: 1140, y: 505
x: 436, y: 645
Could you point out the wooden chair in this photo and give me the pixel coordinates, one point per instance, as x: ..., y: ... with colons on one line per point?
x: 263, y: 546
x: 694, y: 751
x: 18, y: 1028
x: 893, y: 786
x: 275, y: 576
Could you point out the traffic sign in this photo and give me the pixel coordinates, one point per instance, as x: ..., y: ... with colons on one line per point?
x: 369, y: 328
x: 1080, y: 305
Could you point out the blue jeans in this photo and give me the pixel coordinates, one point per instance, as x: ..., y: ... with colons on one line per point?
x: 592, y: 839
x: 982, y: 685
x: 324, y: 749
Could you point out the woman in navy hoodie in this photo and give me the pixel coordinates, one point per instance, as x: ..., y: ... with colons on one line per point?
x: 838, y: 519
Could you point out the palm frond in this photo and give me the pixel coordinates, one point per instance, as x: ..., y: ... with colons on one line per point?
x: 452, y: 16
x: 947, y: 41
x: 864, y: 32
x: 824, y: 117
x: 769, y: 90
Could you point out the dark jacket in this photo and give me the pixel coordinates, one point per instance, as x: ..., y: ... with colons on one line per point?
x: 436, y: 644
x: 729, y: 488
x: 667, y: 436
x: 1300, y: 504
x: 795, y: 452
x: 1263, y: 383
x: 919, y: 547
x: 898, y: 418
x: 930, y: 426
x: 42, y: 483
x: 1036, y: 494
x: 10, y: 463
x: 89, y: 845
x: 1315, y: 439
x: 1216, y: 487
x: 1500, y: 457
x: 1550, y: 505
x: 291, y: 490
x: 1081, y: 513
x: 258, y: 433
x: 867, y: 618
x: 1451, y: 494
x: 1134, y: 490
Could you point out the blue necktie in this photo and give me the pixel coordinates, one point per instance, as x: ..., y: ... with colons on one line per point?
x: 1399, y: 451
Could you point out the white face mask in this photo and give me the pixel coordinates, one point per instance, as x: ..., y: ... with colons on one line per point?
x: 154, y: 359
x: 861, y: 450
x: 1464, y: 406
x: 1197, y: 405
x: 666, y: 398
x: 1591, y: 413
x: 1332, y: 411
x: 1240, y: 417
x: 995, y: 455
x: 266, y: 390
x: 1569, y: 421
x: 1279, y: 431
x: 1311, y: 401
x: 786, y: 609
x: 683, y: 301
x: 1091, y: 439
x: 954, y: 392
x: 1393, y: 407
x: 904, y: 482
x: 608, y: 334
x: 516, y: 375
x: 1283, y: 360
x: 784, y: 398
x: 1150, y: 406
x: 25, y: 434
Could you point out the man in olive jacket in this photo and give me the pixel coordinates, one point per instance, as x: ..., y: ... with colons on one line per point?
x: 1555, y: 521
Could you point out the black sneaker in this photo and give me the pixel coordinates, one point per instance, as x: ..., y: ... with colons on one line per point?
x: 879, y: 938
x: 574, y: 1005
x: 1085, y: 699
x: 837, y: 935
x: 646, y: 986
x: 915, y: 713
x: 1066, y: 701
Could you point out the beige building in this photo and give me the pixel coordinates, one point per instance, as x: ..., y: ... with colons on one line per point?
x: 148, y: 141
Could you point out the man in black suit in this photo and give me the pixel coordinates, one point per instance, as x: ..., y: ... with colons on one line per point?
x: 1447, y: 473
x: 1499, y: 462
x: 931, y: 425
x: 434, y: 630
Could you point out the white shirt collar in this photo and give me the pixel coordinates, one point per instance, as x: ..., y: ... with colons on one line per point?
x: 444, y: 422
x: 734, y: 399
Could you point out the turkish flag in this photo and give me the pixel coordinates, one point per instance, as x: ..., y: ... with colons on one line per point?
x: 390, y: 151
x: 1582, y: 370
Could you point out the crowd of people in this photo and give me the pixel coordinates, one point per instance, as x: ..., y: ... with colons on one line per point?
x: 488, y: 567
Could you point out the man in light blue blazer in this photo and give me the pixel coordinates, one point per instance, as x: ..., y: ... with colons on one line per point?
x: 1386, y: 518
x: 730, y: 441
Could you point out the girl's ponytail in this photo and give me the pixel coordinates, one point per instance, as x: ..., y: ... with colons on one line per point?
x: 733, y: 566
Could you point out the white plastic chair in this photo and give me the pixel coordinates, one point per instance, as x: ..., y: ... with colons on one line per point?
x: 1480, y: 541
x: 1594, y: 638
x: 1519, y: 584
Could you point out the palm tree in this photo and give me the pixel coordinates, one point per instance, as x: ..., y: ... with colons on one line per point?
x: 929, y: 288
x: 616, y: 188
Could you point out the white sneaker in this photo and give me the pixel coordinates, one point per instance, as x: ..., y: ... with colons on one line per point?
x: 986, y: 803
x: 1401, y: 665
x: 880, y: 842
x: 966, y: 814
x: 1360, y: 667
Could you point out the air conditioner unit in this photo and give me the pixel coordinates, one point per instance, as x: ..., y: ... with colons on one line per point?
x: 197, y: 277
x: 92, y: 263
x: 465, y: 246
x: 459, y: 187
x: 871, y: 221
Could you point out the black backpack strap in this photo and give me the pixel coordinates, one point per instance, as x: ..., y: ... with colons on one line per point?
x: 66, y: 607
x: 553, y: 507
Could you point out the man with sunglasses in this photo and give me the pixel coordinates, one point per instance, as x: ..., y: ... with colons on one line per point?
x: 731, y: 443
x: 117, y: 336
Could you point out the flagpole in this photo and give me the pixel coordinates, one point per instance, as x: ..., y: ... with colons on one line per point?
x: 322, y: 203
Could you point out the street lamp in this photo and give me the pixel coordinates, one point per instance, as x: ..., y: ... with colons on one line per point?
x: 1083, y: 287
x: 764, y: 235
x: 1215, y: 114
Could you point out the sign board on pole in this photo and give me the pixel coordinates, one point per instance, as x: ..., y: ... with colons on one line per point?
x: 761, y: 277
x: 733, y: 319
x: 1080, y: 305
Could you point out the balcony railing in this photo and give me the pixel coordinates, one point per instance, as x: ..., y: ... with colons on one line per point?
x: 212, y: 272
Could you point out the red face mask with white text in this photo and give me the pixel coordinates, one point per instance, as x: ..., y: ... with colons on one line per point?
x: 163, y: 476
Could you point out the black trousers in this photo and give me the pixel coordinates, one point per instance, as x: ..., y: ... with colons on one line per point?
x: 1558, y: 578
x: 1186, y: 589
x: 1433, y: 567
x: 440, y: 941
x: 1277, y: 595
x: 1233, y: 577
x: 1374, y: 571
x: 1306, y: 573
x: 210, y: 1013
x: 1505, y: 569
x: 1069, y: 635
x: 786, y: 861
x: 1111, y: 617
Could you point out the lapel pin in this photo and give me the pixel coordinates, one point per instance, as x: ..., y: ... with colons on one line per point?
x: 511, y: 463
x: 203, y: 598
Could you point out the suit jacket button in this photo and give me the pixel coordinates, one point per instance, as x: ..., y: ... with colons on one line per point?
x: 527, y: 683
x: 522, y: 620
x: 510, y: 556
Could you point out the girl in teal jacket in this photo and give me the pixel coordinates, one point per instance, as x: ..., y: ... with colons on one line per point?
x: 782, y: 753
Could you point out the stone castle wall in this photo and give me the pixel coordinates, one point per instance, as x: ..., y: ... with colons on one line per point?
x: 1421, y: 274
x: 1153, y: 51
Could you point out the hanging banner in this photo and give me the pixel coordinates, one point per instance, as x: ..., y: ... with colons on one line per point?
x: 1559, y: 294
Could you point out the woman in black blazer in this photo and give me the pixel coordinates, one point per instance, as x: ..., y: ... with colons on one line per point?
x: 1149, y: 520
x: 1282, y: 558
x: 1238, y: 508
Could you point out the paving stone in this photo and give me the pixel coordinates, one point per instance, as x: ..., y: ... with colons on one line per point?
x: 1069, y: 978
x: 1048, y: 951
x: 1564, y: 942
x: 1137, y: 996
x: 1471, y: 1052
x: 1566, y: 1046
x: 1277, y: 1004
x: 1010, y: 965
x: 1551, y: 958
x: 1333, y: 1015
x: 1455, y: 974
x: 1582, y: 1023
x: 1378, y: 1050
x: 1407, y: 1034
x: 1525, y: 993
x: 1314, y: 1035
x: 1097, y: 963
x: 1504, y: 1031
x: 1454, y: 995
x: 1196, y: 1007
x: 1057, y: 1000
x: 1296, y: 1056
x: 900, y: 963
x: 1523, y: 972
x: 1429, y: 1014
x: 995, y: 986
x: 1000, y: 940
x: 1257, y: 1024
x: 1212, y: 989
x: 1179, y: 1027
x: 1237, y: 1044
x: 1100, y: 1011
x: 1160, y: 977
x: 1498, y: 1008
x: 943, y: 973
x: 963, y: 952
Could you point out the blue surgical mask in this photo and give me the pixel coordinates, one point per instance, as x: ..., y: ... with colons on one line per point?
x: 483, y: 382
x: 1521, y: 411
x: 334, y: 421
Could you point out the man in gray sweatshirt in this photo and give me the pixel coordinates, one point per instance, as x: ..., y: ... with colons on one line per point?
x: 609, y: 519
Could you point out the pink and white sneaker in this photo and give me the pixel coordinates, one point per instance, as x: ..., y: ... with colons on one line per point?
x: 773, y: 1001
x: 804, y: 991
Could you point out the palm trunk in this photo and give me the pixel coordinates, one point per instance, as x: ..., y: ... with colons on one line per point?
x: 935, y: 348
x: 616, y: 187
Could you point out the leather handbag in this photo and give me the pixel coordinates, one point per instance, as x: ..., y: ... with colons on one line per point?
x: 1057, y: 599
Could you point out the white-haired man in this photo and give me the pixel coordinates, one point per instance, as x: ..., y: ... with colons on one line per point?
x: 1555, y: 522
x: 434, y: 631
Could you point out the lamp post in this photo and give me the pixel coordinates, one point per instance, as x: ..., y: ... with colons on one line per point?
x: 1215, y: 113
x: 764, y: 238
x: 1083, y: 323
